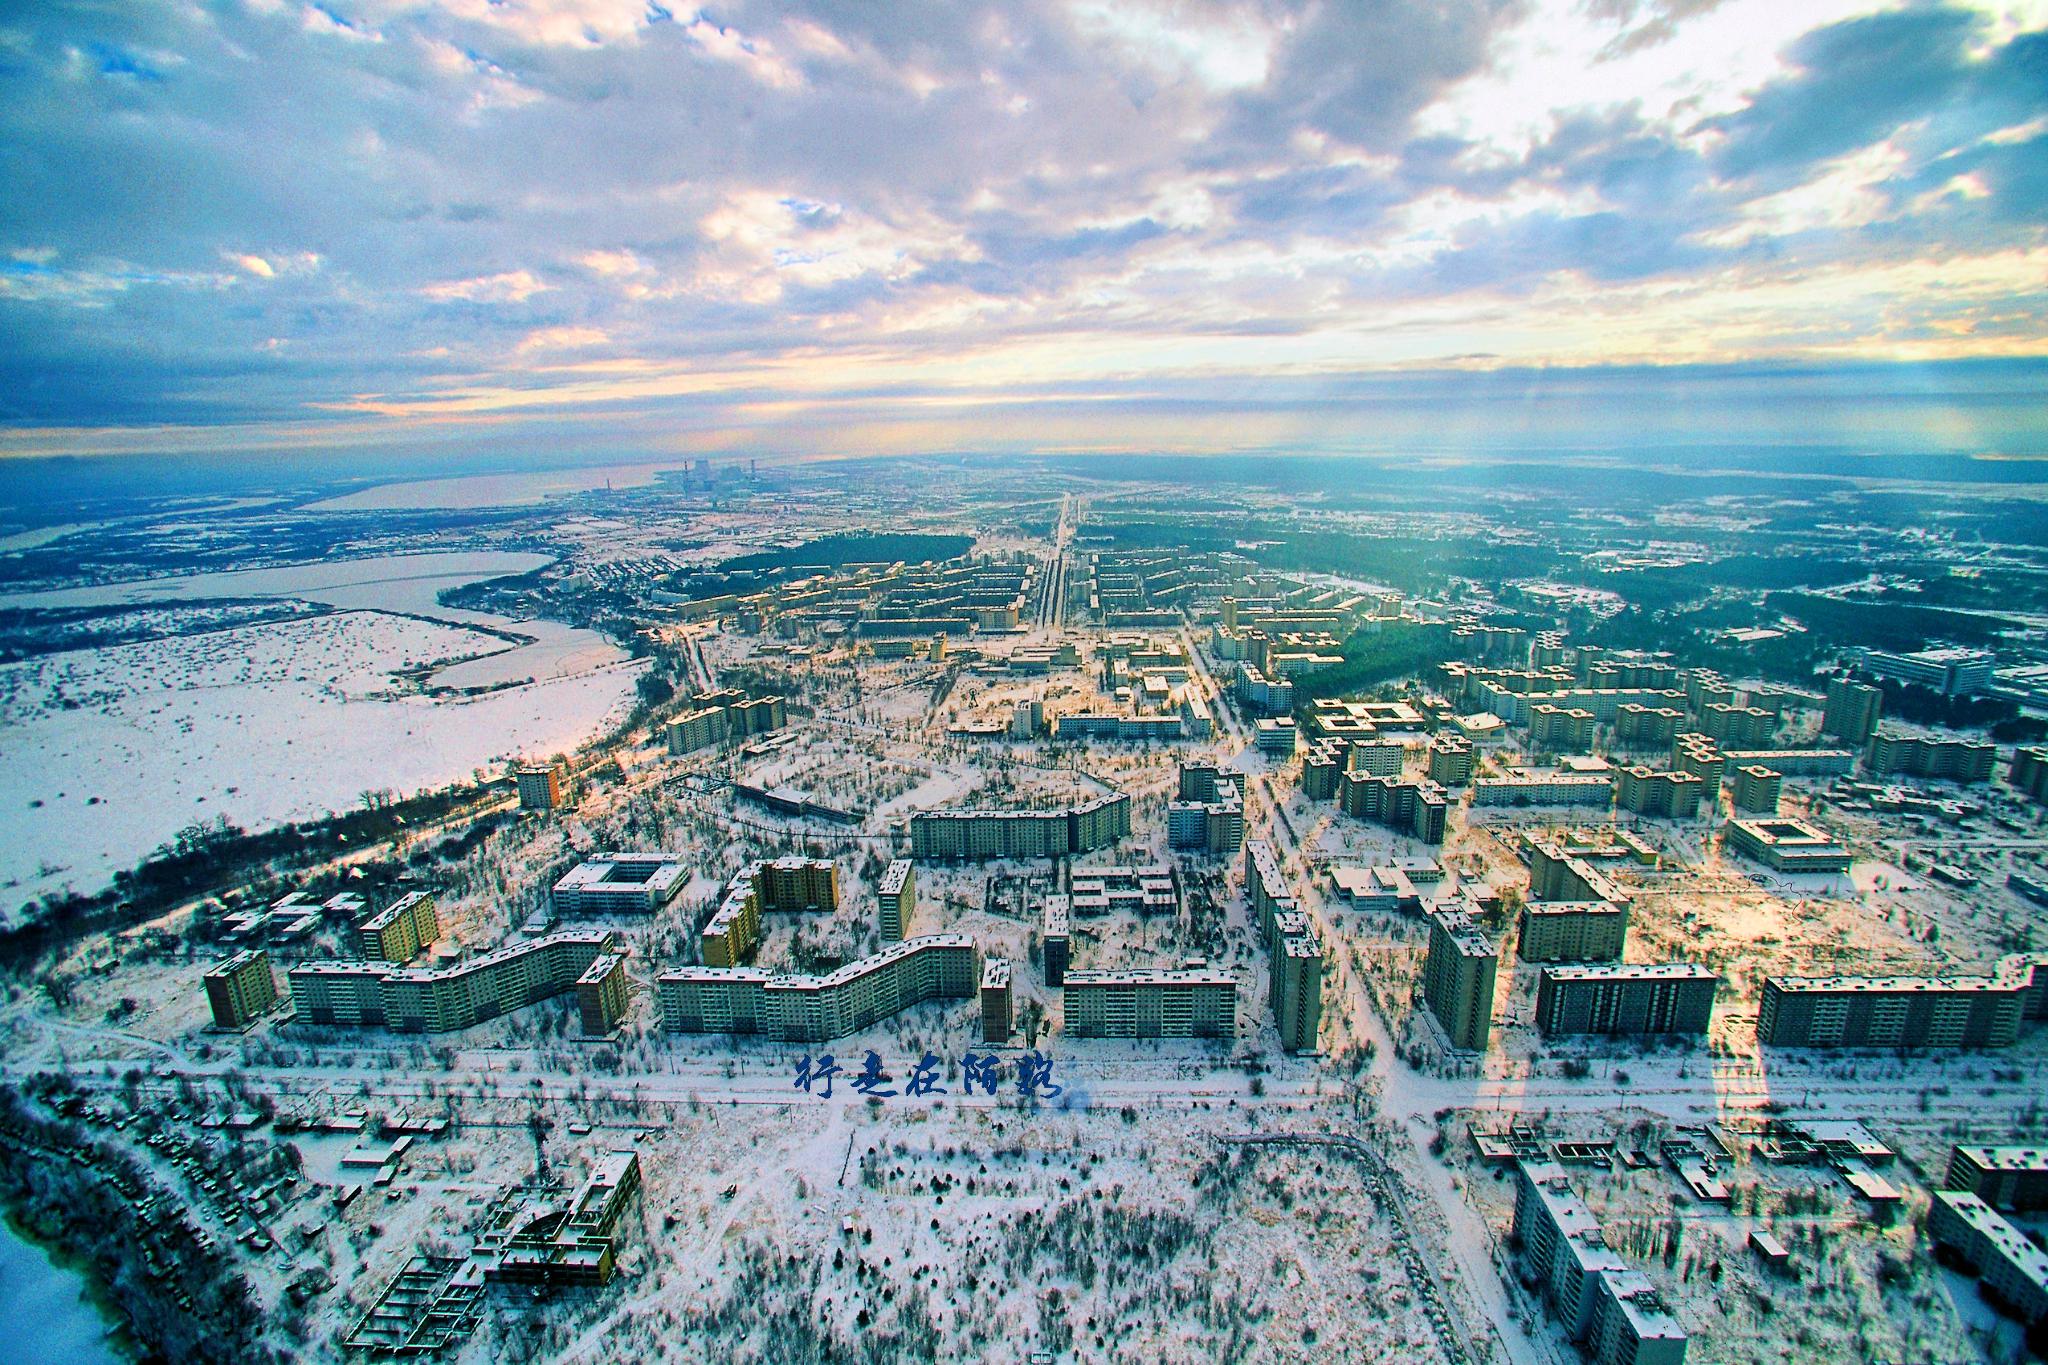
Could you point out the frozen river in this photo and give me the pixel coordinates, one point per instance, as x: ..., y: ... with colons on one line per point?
x: 111, y: 751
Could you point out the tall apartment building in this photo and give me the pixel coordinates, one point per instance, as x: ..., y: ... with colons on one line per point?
x: 1612, y: 998
x: 979, y: 835
x: 436, y: 999
x: 1644, y: 791
x: 1597, y: 1297
x: 1904, y: 1011
x: 1572, y: 931
x: 764, y: 887
x: 2013, y: 1271
x: 1052, y: 934
x: 2030, y: 772
x: 615, y: 883
x: 1948, y: 760
x: 854, y: 997
x: 726, y: 714
x: 1695, y: 753
x: 897, y: 899
x: 1635, y: 723
x: 1457, y: 977
x: 542, y: 786
x: 995, y: 1001
x: 2003, y: 1177
x: 1852, y: 710
x: 602, y: 994
x: 1737, y: 727
x: 1419, y: 810
x: 1560, y: 728
x: 1275, y: 736
x: 1297, y: 986
x: 1758, y: 789
x: 241, y: 989
x: 1951, y: 672
x: 1189, y: 1002
x: 399, y: 931
x: 1558, y: 874
x: 1209, y: 815
x: 1450, y: 760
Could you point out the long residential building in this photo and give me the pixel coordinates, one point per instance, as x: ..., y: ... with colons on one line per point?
x: 1602, y: 1303
x: 803, y: 1008
x: 979, y: 835
x: 1904, y: 1011
x: 2003, y: 1177
x: 1554, y: 789
x: 1948, y: 760
x: 2013, y: 1271
x: 1190, y: 1002
x: 1632, y: 997
x: 436, y: 999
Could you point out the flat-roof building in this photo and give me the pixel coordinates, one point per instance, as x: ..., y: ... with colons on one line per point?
x: 602, y: 993
x: 995, y: 1001
x: 2003, y: 1177
x: 1852, y: 710
x: 1150, y: 890
x: 764, y: 887
x: 1053, y: 930
x: 2014, y: 1271
x: 1786, y: 845
x: 1757, y: 789
x: 1551, y: 789
x: 897, y: 898
x: 979, y: 835
x: 1642, y: 790
x: 1191, y: 1002
x: 542, y: 786
x: 437, y: 999
x: 1946, y: 760
x: 1572, y: 931
x: 399, y: 931
x: 803, y: 1008
x: 1902, y: 1011
x: 1632, y: 997
x: 617, y: 883
x: 1951, y: 672
x: 1458, y: 976
x: 241, y: 989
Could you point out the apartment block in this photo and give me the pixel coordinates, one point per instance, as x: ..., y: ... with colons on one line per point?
x: 2014, y: 1272
x: 1641, y: 790
x: 1275, y: 736
x: 1558, y: 789
x: 542, y: 786
x: 1450, y: 760
x: 437, y: 999
x: 1458, y: 976
x: 1946, y: 760
x: 1797, y: 762
x: 1951, y: 672
x: 1209, y: 816
x: 980, y: 835
x: 1572, y: 931
x: 1297, y: 988
x: 1758, y: 789
x: 1852, y: 710
x: 1560, y: 728
x: 1266, y: 886
x: 1635, y: 723
x: 1737, y: 727
x: 806, y: 1008
x: 1417, y: 809
x: 1190, y: 1002
x: 2003, y: 1177
x: 2030, y: 772
x: 1558, y: 874
x: 1600, y: 1301
x: 995, y: 1001
x: 1615, y: 998
x: 1053, y: 936
x: 401, y: 930
x: 764, y: 887
x: 602, y: 994
x: 1903, y: 1011
x: 614, y: 883
x: 1695, y: 753
x: 897, y: 899
x: 241, y: 989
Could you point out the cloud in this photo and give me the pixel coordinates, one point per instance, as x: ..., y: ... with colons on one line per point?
x: 563, y: 338
x: 511, y: 286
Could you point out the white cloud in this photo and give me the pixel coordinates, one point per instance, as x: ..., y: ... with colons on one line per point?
x: 564, y: 338
x: 511, y: 286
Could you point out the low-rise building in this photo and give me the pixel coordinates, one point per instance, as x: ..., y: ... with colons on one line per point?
x: 618, y: 883
x: 1786, y: 845
x: 803, y: 1008
x: 1053, y: 937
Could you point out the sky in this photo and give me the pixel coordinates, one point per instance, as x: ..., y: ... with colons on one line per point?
x: 643, y: 228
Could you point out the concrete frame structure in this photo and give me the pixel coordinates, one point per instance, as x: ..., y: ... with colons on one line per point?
x: 801, y: 1008
x: 979, y: 835
x: 241, y: 989
x: 1631, y: 997
x: 1190, y: 1002
x: 438, y: 999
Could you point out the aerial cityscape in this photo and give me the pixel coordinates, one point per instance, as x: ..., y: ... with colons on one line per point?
x: 1070, y: 682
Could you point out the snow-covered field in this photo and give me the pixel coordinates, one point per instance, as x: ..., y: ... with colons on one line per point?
x: 111, y: 751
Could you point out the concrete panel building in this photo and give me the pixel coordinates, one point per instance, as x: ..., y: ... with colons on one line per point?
x: 995, y: 1001
x: 1641, y: 790
x: 2014, y: 1271
x: 1616, y: 998
x: 1450, y: 760
x: 602, y: 994
x: 437, y: 999
x: 1758, y: 789
x: 1572, y: 931
x: 1053, y: 932
x: 1190, y: 1002
x: 1553, y: 789
x: 979, y: 835
x: 1786, y: 845
x: 1458, y: 976
x: 802, y: 1008
x: 1297, y: 988
x: 897, y: 899
x: 615, y: 883
x: 1852, y: 710
x: 2003, y: 1177
x: 399, y: 931
x: 1902, y: 1011
x: 543, y: 786
x: 764, y: 887
x: 1946, y: 760
x: 241, y: 989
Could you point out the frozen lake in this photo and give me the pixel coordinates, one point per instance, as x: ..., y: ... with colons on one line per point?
x: 111, y: 751
x: 48, y: 1317
x: 490, y: 490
